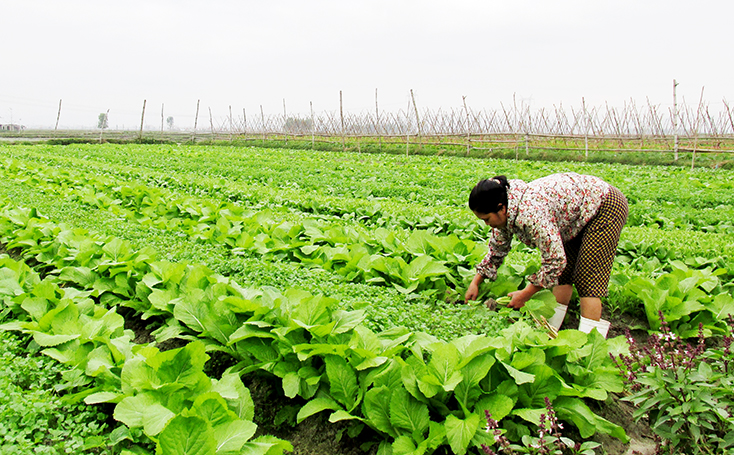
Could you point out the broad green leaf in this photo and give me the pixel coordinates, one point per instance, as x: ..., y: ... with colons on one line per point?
x: 586, y: 421
x: 377, y: 409
x: 460, y: 432
x: 238, y: 397
x: 103, y: 397
x: 155, y: 419
x: 184, y: 365
x: 519, y: 376
x: 266, y: 445
x: 408, y: 413
x: 342, y: 381
x: 545, y: 384
x: 187, y: 436
x: 444, y: 360
x: 498, y: 405
x: 341, y: 414
x: 131, y: 410
x: 231, y: 436
x: 213, y: 408
x: 47, y: 340
x: 315, y: 406
x: 291, y: 384
x: 9, y: 284
x: 347, y: 320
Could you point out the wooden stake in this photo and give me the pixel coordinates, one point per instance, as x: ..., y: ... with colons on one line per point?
x: 262, y: 115
x: 142, y: 118
x: 244, y: 123
x: 468, y: 126
x: 341, y: 114
x: 58, y: 116
x: 313, y: 127
x: 586, y: 129
x: 196, y: 121
x: 211, y: 123
x: 285, y: 122
x: 417, y: 120
x: 695, y: 141
x: 230, y: 123
x: 377, y: 120
x: 675, y: 122
x: 162, y: 105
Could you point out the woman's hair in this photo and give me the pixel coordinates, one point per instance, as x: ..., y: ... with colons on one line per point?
x: 489, y: 194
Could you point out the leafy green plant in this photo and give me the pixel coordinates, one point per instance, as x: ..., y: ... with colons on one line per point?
x: 34, y: 417
x: 684, y: 390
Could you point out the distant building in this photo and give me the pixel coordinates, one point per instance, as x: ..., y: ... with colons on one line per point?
x: 11, y: 127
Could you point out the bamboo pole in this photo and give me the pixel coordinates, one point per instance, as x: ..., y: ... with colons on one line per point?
x: 211, y: 123
x: 262, y: 115
x: 341, y: 114
x: 142, y: 118
x: 162, y: 105
x: 675, y: 121
x: 695, y: 141
x: 417, y: 119
x: 244, y: 123
x: 313, y: 127
x: 586, y: 128
x: 468, y: 126
x: 285, y: 122
x: 230, y: 123
x: 377, y: 120
x: 196, y: 121
x: 58, y: 115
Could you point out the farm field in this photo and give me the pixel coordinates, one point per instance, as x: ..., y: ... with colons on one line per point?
x: 174, y: 285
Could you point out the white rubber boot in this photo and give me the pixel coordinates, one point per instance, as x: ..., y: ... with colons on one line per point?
x: 601, y: 326
x: 557, y: 319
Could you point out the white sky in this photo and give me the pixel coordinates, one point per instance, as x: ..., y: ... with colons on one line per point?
x: 99, y: 55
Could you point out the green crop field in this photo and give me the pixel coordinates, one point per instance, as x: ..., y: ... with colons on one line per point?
x: 163, y: 285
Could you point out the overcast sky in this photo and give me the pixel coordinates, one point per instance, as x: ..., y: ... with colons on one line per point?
x: 99, y: 55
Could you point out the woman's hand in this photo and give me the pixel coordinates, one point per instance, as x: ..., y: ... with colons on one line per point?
x: 473, y: 292
x: 520, y: 298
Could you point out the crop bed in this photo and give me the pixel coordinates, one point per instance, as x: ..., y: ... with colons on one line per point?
x: 160, y: 277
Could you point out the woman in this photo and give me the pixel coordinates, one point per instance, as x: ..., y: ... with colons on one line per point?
x: 573, y: 219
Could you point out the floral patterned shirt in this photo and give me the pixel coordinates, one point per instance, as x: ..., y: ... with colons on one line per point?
x: 544, y: 214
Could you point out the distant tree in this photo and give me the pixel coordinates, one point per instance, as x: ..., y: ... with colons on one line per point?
x: 169, y: 121
x: 102, y: 121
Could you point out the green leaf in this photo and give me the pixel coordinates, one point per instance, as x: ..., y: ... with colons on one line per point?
x: 131, y: 410
x: 183, y: 366
x: 377, y: 409
x: 155, y: 419
x: 408, y: 413
x: 586, y: 421
x: 519, y: 376
x: 342, y: 381
x: 213, y: 408
x: 460, y: 432
x: 291, y: 384
x: 231, y: 436
x: 9, y: 284
x: 444, y: 360
x: 238, y: 397
x: 498, y: 405
x: 315, y: 406
x: 187, y: 436
x: 266, y: 445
